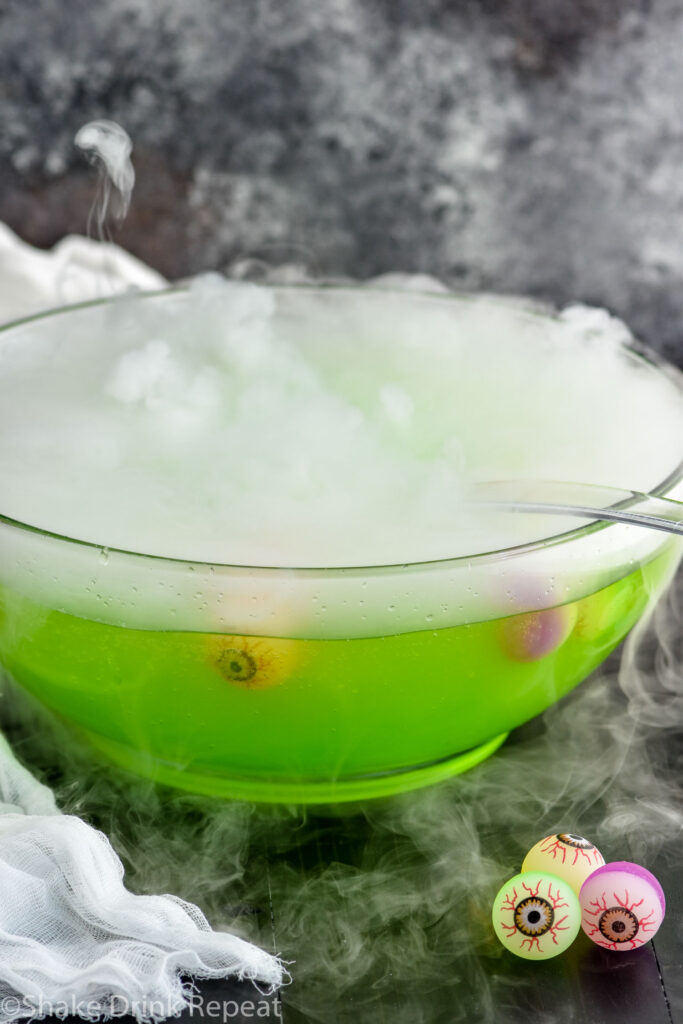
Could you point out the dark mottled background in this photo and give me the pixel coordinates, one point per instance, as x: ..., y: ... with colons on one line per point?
x: 516, y: 145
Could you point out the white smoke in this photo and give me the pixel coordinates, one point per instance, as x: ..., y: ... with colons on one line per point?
x: 108, y: 146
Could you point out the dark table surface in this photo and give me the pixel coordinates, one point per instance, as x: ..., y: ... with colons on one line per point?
x: 587, y: 985
x: 408, y: 967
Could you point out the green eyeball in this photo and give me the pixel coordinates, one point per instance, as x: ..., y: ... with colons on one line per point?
x: 536, y: 916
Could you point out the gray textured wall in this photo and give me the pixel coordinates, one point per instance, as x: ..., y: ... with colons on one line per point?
x: 515, y: 145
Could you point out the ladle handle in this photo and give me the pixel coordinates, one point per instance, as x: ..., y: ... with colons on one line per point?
x: 586, y: 501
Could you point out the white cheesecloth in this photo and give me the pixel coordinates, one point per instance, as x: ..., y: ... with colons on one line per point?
x: 73, y: 939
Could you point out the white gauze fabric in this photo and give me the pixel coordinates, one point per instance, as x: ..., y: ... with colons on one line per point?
x: 71, y: 935
x: 77, y: 269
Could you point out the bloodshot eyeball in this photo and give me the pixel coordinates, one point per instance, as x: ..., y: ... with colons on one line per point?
x: 536, y: 916
x: 567, y: 855
x: 622, y: 906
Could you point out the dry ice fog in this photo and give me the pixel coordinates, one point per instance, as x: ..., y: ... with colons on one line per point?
x: 242, y: 424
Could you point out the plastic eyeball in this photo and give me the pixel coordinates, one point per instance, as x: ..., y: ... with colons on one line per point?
x: 536, y: 916
x: 568, y: 856
x: 533, y: 635
x: 599, y: 616
x: 254, y: 663
x: 622, y: 906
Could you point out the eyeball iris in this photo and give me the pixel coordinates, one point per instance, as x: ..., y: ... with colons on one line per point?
x: 534, y: 916
x: 617, y: 924
x: 578, y: 842
x: 237, y: 665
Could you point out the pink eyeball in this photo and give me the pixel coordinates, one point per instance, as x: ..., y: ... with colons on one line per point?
x: 622, y: 906
x: 533, y: 635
